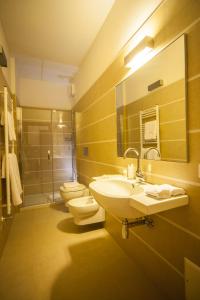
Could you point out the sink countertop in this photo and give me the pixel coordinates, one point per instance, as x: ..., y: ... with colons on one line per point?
x: 120, y: 195
x: 150, y: 205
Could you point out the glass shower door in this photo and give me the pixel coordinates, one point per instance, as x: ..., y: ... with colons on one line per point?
x: 62, y: 149
x: 37, y: 151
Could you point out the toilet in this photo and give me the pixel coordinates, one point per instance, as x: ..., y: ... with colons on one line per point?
x: 86, y: 210
x: 73, y: 189
x: 83, y: 207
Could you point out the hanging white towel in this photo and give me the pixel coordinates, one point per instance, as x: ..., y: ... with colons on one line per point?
x: 2, y: 118
x: 11, y: 126
x: 16, y: 171
x: 150, y: 130
x: 152, y: 154
x: 3, y: 167
x: 16, y: 187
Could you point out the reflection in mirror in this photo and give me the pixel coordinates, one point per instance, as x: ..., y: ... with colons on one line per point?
x: 151, y: 107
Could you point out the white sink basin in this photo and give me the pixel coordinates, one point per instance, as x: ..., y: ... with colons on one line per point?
x: 114, y: 196
x: 114, y: 188
x: 121, y: 198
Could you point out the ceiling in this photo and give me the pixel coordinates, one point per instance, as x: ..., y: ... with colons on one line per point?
x: 38, y: 69
x: 61, y: 31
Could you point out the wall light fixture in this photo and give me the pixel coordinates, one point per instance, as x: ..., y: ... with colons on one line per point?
x: 139, y: 52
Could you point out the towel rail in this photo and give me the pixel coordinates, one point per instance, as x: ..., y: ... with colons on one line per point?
x: 6, y: 150
x: 11, y: 175
x: 7, y: 106
x: 147, y: 115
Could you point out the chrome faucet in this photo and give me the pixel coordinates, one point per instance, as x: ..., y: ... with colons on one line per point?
x: 151, y: 148
x: 138, y: 171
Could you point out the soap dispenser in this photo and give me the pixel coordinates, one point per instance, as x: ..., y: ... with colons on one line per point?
x: 130, y: 171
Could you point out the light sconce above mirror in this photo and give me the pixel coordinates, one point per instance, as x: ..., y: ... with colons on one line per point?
x: 139, y: 52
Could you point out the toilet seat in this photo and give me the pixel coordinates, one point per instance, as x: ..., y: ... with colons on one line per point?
x: 82, y: 201
x: 84, y: 206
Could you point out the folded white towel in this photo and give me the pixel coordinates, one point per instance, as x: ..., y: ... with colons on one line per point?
x: 158, y: 191
x: 164, y: 191
x: 175, y: 191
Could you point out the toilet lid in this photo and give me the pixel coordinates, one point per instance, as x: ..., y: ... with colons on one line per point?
x: 71, y: 184
x: 74, y: 188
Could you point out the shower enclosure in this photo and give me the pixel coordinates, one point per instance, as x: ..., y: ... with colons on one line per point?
x: 46, y: 153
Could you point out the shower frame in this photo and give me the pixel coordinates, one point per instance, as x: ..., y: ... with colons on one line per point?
x: 73, y: 149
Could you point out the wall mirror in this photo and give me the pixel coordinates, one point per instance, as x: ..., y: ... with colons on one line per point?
x: 151, y: 107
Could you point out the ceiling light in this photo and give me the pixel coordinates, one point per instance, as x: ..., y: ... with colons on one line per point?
x: 60, y: 123
x: 139, y: 52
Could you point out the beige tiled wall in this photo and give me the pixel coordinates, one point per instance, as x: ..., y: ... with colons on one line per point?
x: 176, y: 234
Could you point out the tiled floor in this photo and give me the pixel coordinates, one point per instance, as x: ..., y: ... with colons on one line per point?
x: 47, y: 257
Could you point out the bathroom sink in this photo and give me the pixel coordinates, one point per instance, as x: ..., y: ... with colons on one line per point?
x: 114, y: 188
x: 126, y: 199
x: 114, y: 196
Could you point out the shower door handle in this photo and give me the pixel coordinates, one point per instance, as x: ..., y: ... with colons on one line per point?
x: 49, y: 155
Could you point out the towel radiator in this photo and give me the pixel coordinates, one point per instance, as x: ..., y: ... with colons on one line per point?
x: 147, y: 115
x: 8, y: 106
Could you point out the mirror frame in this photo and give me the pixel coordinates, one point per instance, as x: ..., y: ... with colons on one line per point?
x: 119, y: 151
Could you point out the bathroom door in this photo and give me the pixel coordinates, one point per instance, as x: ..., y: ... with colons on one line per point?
x: 37, y: 156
